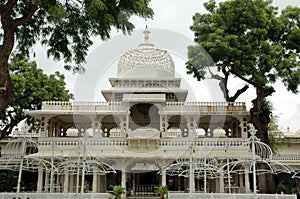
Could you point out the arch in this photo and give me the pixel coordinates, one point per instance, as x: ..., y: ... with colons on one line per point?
x: 144, y: 115
x: 225, y: 122
x: 59, y: 124
x: 179, y: 122
x: 109, y: 122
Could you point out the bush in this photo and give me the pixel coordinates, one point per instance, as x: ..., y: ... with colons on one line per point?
x: 162, y: 191
x: 117, y: 191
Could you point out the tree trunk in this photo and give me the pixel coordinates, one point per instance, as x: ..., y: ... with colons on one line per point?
x: 6, y: 91
x: 260, y: 120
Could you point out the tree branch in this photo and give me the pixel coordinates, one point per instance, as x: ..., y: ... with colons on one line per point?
x: 246, y: 80
x: 8, y: 128
x: 238, y: 93
x: 8, y: 7
x: 217, y: 77
x: 26, y: 18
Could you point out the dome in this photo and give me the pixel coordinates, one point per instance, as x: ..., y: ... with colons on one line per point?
x: 146, y: 59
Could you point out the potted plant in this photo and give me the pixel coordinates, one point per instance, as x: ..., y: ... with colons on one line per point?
x: 162, y: 191
x: 117, y: 191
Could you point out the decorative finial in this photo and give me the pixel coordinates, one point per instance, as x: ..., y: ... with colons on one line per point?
x: 252, y: 129
x: 146, y: 34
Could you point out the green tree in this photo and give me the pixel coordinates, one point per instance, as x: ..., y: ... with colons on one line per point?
x: 31, y: 87
x: 251, y: 41
x: 64, y: 27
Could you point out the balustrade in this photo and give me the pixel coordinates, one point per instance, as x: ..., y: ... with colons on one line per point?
x: 80, y: 142
x: 145, y: 190
x: 207, y: 106
x: 200, y: 142
x: 188, y: 106
x: 211, y: 142
x: 82, y: 106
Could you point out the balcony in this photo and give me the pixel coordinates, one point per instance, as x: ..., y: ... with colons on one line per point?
x: 81, y: 106
x: 209, y: 107
x: 171, y: 107
x: 163, y: 147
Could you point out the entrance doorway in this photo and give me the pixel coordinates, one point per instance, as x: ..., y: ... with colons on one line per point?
x: 144, y: 183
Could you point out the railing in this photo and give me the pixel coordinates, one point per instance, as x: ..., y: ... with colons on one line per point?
x: 25, y: 134
x: 148, y: 83
x: 206, y: 106
x: 170, y: 106
x: 211, y: 142
x: 173, y: 133
x: 82, y: 106
x: 144, y: 190
x: 80, y: 141
x: 286, y: 158
x: 55, y: 195
x: 178, y: 195
x: 171, y: 195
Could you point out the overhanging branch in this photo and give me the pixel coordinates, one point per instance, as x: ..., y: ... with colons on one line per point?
x: 239, y: 92
x: 26, y: 18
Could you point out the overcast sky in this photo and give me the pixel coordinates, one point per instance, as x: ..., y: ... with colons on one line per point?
x: 173, y: 18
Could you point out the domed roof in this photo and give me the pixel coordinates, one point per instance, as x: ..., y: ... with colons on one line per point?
x: 146, y: 59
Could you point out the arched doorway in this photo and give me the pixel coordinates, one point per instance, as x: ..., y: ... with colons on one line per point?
x: 178, y: 122
x: 107, y: 123
x: 144, y: 115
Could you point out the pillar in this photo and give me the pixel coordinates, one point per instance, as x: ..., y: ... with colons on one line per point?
x: 133, y: 183
x: 57, y: 183
x: 99, y: 183
x: 71, y: 183
x: 46, y: 181
x: 95, y: 180
x: 243, y: 126
x: 40, y: 180
x: 44, y: 127
x: 163, y: 178
x: 247, y: 182
x: 178, y: 184
x: 66, y: 181
x: 241, y: 184
x: 192, y: 181
x: 123, y: 179
x: 221, y: 183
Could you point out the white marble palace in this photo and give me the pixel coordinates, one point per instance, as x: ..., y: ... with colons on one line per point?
x: 144, y: 135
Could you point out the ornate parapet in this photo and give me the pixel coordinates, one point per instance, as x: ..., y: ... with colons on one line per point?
x: 229, y: 107
x: 81, y: 106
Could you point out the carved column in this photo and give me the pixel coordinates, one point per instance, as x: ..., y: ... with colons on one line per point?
x: 123, y: 179
x: 40, y: 180
x: 47, y: 181
x: 241, y: 182
x: 247, y: 182
x: 243, y: 126
x: 221, y: 183
x: 66, y: 181
x: 71, y: 183
x: 163, y: 178
x: 95, y: 179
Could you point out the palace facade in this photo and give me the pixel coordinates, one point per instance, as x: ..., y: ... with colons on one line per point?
x: 143, y: 136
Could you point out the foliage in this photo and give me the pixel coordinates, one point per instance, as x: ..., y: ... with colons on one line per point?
x: 251, y: 41
x: 162, y: 191
x: 8, y: 180
x: 248, y: 39
x: 117, y: 191
x: 286, y: 186
x: 31, y: 87
x: 280, y: 188
x: 64, y: 28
